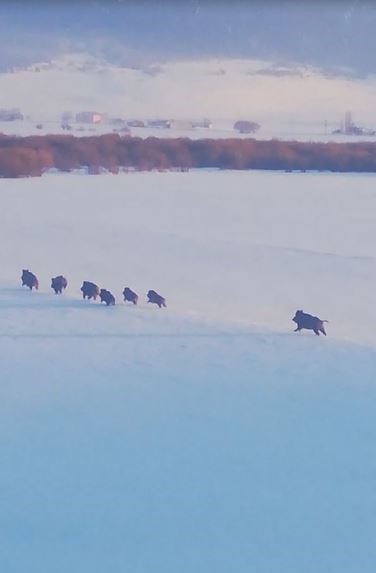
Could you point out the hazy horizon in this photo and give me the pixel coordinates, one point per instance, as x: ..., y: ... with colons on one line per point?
x: 335, y: 35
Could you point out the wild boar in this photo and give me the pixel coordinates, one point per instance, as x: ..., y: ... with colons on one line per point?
x: 156, y: 298
x: 309, y: 322
x: 29, y: 279
x: 107, y: 297
x: 89, y: 290
x: 58, y: 284
x: 129, y: 295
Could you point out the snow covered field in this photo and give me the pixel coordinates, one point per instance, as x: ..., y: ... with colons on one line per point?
x: 207, y: 436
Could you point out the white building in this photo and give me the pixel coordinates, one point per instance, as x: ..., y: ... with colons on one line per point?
x: 90, y: 117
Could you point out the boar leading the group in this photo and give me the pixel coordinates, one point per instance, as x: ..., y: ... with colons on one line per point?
x: 309, y: 322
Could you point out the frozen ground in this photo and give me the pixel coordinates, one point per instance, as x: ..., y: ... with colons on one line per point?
x: 202, y: 437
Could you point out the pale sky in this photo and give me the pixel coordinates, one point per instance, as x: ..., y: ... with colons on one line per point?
x: 327, y: 34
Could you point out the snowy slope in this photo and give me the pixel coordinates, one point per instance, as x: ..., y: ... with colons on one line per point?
x: 202, y: 437
x: 288, y: 101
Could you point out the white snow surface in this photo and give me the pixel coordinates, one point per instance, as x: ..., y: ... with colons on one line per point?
x: 207, y: 436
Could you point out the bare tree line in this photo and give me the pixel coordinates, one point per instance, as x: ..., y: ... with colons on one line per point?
x: 33, y: 155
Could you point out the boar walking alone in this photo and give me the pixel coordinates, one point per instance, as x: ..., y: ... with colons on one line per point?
x: 309, y: 322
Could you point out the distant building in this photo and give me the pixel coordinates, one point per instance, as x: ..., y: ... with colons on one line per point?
x: 136, y: 123
x: 159, y: 123
x: 90, y: 117
x: 205, y: 123
x: 10, y: 114
x: 348, y: 127
x: 117, y: 121
x: 187, y: 124
x: 348, y: 124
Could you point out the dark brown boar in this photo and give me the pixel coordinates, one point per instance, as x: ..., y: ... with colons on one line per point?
x: 58, y: 284
x: 129, y: 295
x: 29, y: 279
x: 156, y: 298
x: 309, y: 322
x: 89, y: 290
x: 107, y: 297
